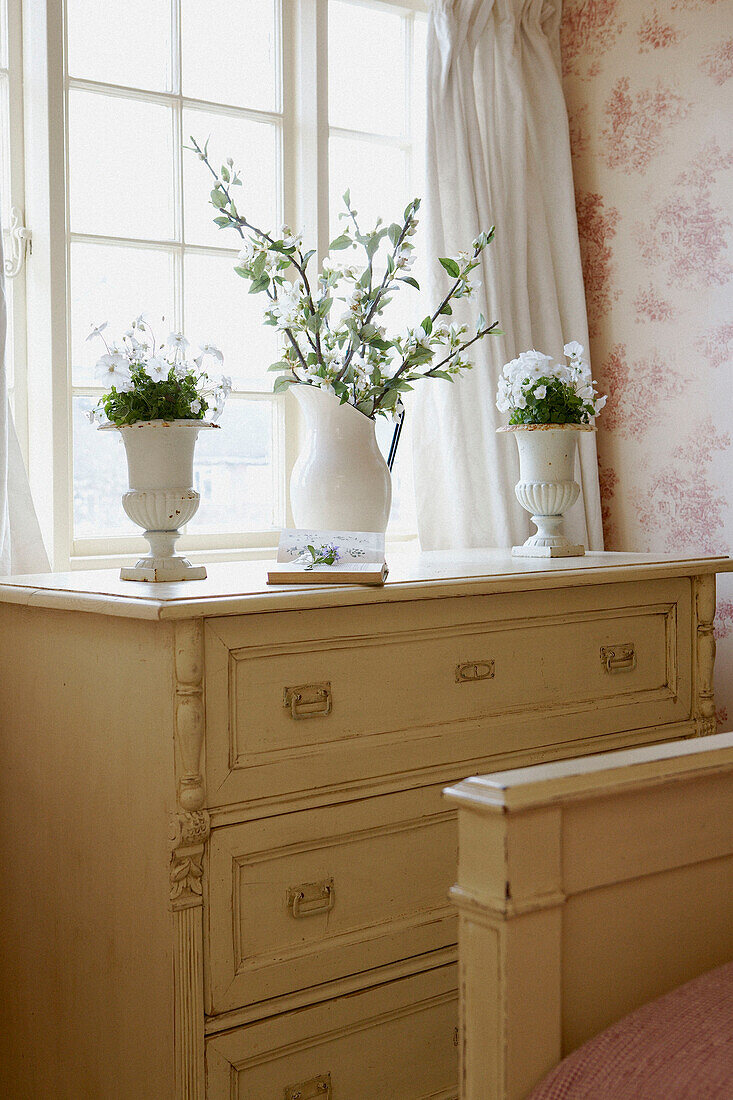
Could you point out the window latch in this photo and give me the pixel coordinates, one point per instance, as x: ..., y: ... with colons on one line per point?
x: 18, y: 244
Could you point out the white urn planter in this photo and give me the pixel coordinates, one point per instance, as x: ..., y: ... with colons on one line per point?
x: 547, y: 487
x: 161, y: 497
x: 340, y: 481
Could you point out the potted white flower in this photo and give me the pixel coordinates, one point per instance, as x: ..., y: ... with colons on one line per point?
x: 549, y: 404
x: 159, y: 401
x: 342, y: 365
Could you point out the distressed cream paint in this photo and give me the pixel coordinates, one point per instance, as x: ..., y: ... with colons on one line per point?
x: 650, y: 97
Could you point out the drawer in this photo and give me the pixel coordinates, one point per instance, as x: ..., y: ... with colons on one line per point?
x: 302, y: 899
x: 395, y: 1042
x: 322, y: 700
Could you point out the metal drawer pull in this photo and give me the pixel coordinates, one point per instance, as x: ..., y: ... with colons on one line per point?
x: 308, y: 700
x: 315, y: 1089
x: 470, y: 671
x: 312, y: 898
x: 618, y: 658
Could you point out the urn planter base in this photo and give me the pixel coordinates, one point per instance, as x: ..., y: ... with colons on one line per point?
x: 549, y: 541
x: 170, y: 508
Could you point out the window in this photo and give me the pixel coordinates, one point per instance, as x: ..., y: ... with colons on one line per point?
x: 11, y: 205
x: 130, y: 229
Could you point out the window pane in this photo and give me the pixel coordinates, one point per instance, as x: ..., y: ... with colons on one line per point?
x: 3, y: 34
x: 116, y: 284
x: 402, y: 515
x: 5, y: 205
x: 219, y: 309
x: 5, y: 201
x: 366, y: 82
x: 121, y: 43
x: 234, y: 470
x: 120, y: 165
x: 254, y: 146
x: 377, y: 176
x: 100, y: 478
x: 419, y: 106
x: 236, y: 62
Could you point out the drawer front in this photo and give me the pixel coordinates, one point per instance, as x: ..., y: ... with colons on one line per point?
x: 396, y: 1042
x: 320, y: 699
x: 306, y: 898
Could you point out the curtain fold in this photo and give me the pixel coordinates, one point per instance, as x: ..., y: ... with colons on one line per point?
x: 498, y: 152
x: 21, y: 545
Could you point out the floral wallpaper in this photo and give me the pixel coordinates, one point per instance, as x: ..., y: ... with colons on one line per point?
x: 649, y: 89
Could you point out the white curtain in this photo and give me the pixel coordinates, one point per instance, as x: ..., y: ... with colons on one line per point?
x: 21, y: 545
x: 498, y: 153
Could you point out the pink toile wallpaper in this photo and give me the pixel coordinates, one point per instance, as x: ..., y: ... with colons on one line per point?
x: 649, y: 88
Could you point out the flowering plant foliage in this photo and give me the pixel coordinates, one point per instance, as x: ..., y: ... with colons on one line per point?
x: 352, y: 355
x: 537, y: 391
x: 326, y: 554
x: 155, y: 382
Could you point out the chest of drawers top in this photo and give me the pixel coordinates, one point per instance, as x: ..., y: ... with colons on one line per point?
x: 238, y: 588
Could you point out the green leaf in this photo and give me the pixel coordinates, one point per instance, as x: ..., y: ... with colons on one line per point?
x: 441, y: 374
x: 281, y: 384
x: 410, y: 281
x: 446, y: 311
x: 344, y: 241
x: 394, y: 233
x: 221, y: 221
x: 427, y: 326
x: 218, y: 198
x: 450, y: 266
x: 347, y: 196
x: 279, y: 367
x: 260, y: 284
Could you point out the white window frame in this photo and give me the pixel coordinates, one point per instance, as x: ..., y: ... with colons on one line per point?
x: 48, y: 439
x: 12, y: 137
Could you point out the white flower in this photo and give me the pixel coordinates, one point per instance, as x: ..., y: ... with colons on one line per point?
x: 540, y: 392
x: 225, y: 385
x: 533, y: 357
x: 177, y: 340
x: 289, y: 238
x: 157, y: 368
x: 246, y: 255
x: 97, y: 330
x: 114, y: 370
x: 573, y: 350
x: 196, y: 407
x: 287, y: 306
x: 210, y: 349
x: 96, y: 415
x: 600, y: 402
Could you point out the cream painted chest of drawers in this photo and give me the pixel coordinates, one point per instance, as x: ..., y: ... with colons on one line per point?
x: 225, y: 855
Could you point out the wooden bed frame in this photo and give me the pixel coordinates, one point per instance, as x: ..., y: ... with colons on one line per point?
x: 586, y: 888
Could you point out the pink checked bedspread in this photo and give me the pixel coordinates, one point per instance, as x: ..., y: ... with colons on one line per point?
x: 679, y: 1047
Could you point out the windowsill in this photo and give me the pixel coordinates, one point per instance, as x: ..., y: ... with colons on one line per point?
x: 395, y: 542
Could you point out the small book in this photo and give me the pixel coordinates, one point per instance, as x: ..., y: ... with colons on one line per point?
x: 329, y: 557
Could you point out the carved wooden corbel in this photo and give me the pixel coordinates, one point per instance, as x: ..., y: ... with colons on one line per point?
x: 190, y: 829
